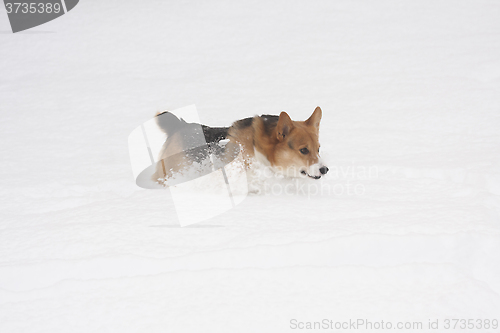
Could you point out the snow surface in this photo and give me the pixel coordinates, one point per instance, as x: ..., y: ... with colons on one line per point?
x: 411, y: 89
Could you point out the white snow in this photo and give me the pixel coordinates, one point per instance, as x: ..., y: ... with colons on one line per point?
x: 410, y: 93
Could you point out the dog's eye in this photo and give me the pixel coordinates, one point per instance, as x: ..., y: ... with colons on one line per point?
x: 304, y: 151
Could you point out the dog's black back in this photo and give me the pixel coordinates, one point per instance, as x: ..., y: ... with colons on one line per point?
x: 170, y: 124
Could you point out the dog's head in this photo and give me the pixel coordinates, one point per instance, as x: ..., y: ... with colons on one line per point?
x: 297, y: 151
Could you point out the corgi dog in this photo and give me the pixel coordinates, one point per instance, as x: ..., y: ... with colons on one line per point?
x: 288, y: 147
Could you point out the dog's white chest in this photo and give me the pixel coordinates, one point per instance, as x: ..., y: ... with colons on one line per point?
x: 261, y: 157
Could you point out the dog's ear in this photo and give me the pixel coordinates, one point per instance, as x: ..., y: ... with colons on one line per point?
x: 284, y: 126
x: 315, y: 118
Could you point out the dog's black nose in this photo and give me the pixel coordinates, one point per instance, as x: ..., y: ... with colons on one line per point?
x: 323, y: 170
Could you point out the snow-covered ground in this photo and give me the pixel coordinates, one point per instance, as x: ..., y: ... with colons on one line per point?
x: 409, y: 90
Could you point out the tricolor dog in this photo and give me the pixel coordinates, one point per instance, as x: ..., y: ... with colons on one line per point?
x: 288, y: 147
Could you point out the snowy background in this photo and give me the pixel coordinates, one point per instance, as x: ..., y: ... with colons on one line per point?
x: 412, y: 88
